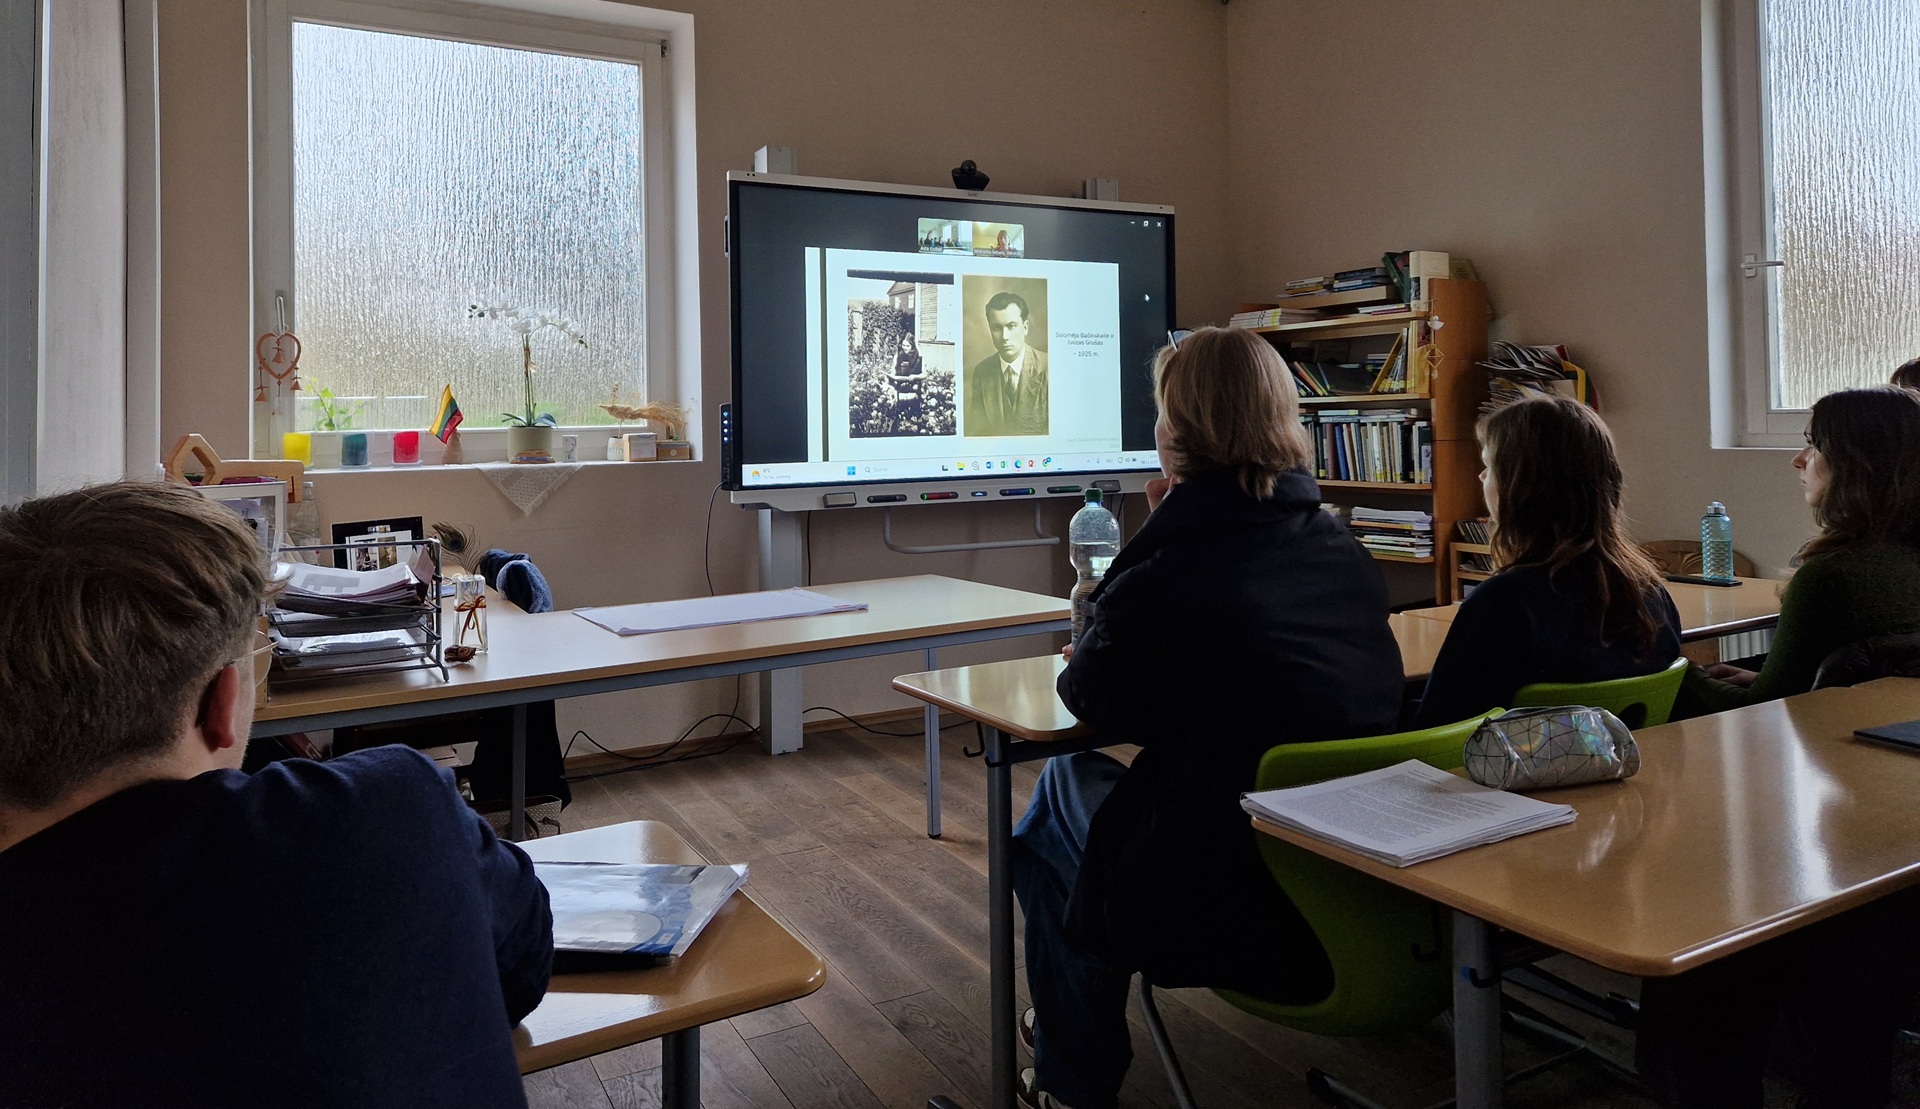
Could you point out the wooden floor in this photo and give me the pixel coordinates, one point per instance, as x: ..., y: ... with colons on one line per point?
x: 835, y: 839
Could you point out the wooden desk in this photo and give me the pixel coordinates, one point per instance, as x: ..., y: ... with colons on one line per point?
x: 1740, y: 827
x: 742, y: 961
x: 552, y: 655
x: 1420, y: 639
x: 1706, y: 611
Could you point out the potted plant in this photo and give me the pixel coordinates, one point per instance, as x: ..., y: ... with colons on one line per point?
x: 530, y: 432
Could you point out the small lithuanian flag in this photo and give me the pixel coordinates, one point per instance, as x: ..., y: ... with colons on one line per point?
x: 449, y: 418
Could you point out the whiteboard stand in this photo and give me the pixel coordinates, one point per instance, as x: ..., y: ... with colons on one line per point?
x: 780, y: 568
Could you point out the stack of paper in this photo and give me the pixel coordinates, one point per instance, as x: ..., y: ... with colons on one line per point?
x: 324, y: 588
x: 648, y: 909
x: 1405, y: 814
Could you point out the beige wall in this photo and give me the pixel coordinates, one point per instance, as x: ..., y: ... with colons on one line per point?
x: 1557, y: 145
x: 1041, y: 95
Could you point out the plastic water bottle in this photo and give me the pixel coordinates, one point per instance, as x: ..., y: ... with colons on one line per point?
x: 1093, y: 538
x: 1716, y: 543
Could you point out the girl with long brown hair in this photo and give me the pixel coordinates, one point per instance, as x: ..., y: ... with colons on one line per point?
x: 1574, y: 600
x: 1860, y: 576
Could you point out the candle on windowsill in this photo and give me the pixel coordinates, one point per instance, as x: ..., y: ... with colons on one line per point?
x: 353, y: 448
x: 297, y: 446
x: 406, y: 448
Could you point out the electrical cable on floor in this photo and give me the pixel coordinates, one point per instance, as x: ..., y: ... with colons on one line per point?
x: 876, y: 731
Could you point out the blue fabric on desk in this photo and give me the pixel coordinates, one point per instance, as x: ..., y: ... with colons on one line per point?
x: 491, y: 773
x: 516, y: 578
x: 313, y: 936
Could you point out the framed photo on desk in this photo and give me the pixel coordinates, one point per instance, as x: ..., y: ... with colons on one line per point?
x: 376, y: 544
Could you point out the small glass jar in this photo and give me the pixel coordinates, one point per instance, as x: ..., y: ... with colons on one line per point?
x: 470, y: 610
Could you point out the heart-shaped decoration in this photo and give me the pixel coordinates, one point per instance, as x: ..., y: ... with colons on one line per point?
x: 278, y: 355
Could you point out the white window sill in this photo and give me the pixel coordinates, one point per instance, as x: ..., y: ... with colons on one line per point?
x: 481, y: 445
x: 470, y: 464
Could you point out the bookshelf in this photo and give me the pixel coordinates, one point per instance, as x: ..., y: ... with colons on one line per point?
x: 1444, y: 339
x: 1463, y: 574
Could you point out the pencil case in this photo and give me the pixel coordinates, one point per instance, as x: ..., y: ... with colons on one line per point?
x: 1540, y: 748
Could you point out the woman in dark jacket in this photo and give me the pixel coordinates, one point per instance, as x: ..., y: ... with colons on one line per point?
x: 1240, y: 617
x: 1575, y: 600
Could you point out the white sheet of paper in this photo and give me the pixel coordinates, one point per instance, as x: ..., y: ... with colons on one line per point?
x: 709, y: 612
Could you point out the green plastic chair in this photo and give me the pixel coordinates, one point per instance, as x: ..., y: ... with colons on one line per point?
x: 1390, y: 950
x: 1639, y: 702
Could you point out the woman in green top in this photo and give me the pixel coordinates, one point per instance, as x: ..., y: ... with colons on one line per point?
x: 1858, y: 578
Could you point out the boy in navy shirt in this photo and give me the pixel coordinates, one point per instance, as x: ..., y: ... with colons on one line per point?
x: 173, y: 932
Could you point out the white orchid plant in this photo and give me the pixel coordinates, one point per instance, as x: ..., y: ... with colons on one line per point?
x: 526, y: 323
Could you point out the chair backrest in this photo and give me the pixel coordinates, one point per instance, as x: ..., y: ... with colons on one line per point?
x: 1639, y: 702
x: 1682, y: 556
x: 1388, y: 948
x: 1883, y: 656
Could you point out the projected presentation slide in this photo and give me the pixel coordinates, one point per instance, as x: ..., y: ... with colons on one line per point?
x: 916, y: 356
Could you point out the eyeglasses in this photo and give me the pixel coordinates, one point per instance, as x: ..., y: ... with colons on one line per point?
x: 250, y: 675
x: 1174, y: 337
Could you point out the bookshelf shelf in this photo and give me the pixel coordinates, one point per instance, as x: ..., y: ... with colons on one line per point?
x: 1380, y: 323
x: 1396, y: 399
x: 1378, y: 486
x: 1443, y: 343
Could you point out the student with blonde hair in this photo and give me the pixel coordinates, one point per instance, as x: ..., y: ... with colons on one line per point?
x: 1240, y: 616
x: 174, y: 932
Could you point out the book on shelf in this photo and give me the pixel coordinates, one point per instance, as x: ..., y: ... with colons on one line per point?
x: 632, y: 911
x: 1386, y: 445
x: 1307, y: 285
x: 1424, y: 266
x: 1334, y: 303
x: 1390, y: 363
x: 1270, y: 317
x: 1396, y: 533
x: 1474, y: 531
x: 1404, y: 814
x: 1395, y: 263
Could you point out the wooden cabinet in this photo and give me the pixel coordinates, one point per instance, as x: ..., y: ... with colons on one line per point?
x: 1446, y: 341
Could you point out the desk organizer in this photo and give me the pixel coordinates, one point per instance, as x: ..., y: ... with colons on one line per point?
x: 358, y: 636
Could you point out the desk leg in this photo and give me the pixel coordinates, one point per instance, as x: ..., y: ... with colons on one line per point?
x: 933, y: 755
x: 680, y: 1069
x: 780, y: 694
x: 1478, y: 1070
x: 517, y: 813
x: 1000, y: 915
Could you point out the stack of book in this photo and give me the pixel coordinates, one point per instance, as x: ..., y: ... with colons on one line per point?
x: 1302, y: 286
x: 1372, y: 277
x: 1271, y: 317
x: 1397, y: 534
x: 1404, y: 814
x: 1371, y: 444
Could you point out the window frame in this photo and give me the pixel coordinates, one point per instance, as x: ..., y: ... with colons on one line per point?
x: 1742, y: 263
x: 659, y: 42
x: 1743, y: 260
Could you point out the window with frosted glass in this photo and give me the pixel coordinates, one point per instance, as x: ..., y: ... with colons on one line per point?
x: 1843, y: 96
x: 429, y: 176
